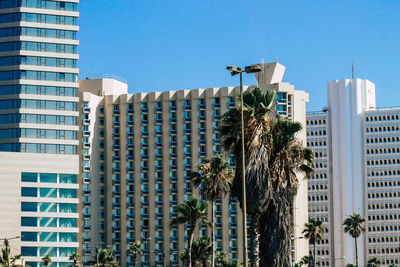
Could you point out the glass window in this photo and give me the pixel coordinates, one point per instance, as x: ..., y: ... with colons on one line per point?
x: 48, y: 207
x: 29, y: 221
x: 48, y: 178
x: 48, y: 237
x: 67, y: 222
x: 67, y: 208
x: 29, y: 192
x: 48, y: 192
x: 67, y: 193
x: 66, y: 252
x: 29, y: 251
x: 67, y: 237
x: 48, y: 222
x: 68, y: 178
x: 29, y: 236
x: 52, y: 252
x: 29, y: 177
x: 29, y: 206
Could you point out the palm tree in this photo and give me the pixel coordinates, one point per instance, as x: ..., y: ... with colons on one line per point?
x: 134, y: 250
x: 273, y: 156
x: 46, y: 260
x: 392, y: 265
x: 354, y: 225
x: 75, y: 257
x: 104, y: 258
x: 350, y: 265
x: 373, y: 262
x: 201, y: 252
x: 215, y: 176
x: 6, y: 259
x: 191, y: 212
x: 307, y: 260
x: 222, y: 261
x: 314, y: 232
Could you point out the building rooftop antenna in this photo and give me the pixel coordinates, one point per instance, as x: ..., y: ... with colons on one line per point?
x: 352, y: 70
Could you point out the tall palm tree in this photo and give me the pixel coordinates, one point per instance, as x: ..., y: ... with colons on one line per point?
x: 201, y: 252
x: 46, y: 260
x: 215, y: 176
x: 373, y: 262
x: 314, y: 232
x: 273, y: 156
x: 191, y: 212
x: 307, y: 260
x: 354, y: 225
x: 75, y: 257
x: 135, y: 249
x: 104, y: 258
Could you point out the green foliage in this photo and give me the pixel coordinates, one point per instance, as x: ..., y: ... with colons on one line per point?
x: 105, y: 258
x: 307, y: 260
x: 354, y: 225
x: 75, y: 257
x: 135, y: 249
x: 373, y: 262
x: 6, y: 259
x: 46, y: 260
x: 215, y: 176
x: 313, y: 231
x: 191, y: 211
x: 350, y: 265
x: 201, y: 252
x: 223, y: 261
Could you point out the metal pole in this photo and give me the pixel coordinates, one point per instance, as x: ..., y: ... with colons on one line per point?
x: 243, y: 179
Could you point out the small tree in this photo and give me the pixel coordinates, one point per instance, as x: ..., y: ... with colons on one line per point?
x: 104, y: 257
x: 201, y: 252
x: 134, y: 250
x: 314, y: 232
x: 373, y: 262
x: 354, y: 225
x: 75, y: 257
x: 191, y: 212
x: 307, y: 260
x: 6, y: 259
x: 46, y: 260
x: 222, y: 261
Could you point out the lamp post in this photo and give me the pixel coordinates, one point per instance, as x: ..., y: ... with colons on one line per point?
x: 7, y: 244
x: 292, y: 239
x: 234, y: 71
x: 146, y: 246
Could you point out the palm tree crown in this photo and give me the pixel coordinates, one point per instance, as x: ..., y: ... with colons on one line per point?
x: 354, y: 225
x: 273, y: 157
x: 191, y: 212
x: 105, y: 258
x: 313, y: 231
x: 75, y: 257
x: 134, y: 250
x: 46, y: 260
x: 215, y: 176
x: 373, y: 262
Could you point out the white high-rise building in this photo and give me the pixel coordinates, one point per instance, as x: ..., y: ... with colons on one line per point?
x: 354, y: 174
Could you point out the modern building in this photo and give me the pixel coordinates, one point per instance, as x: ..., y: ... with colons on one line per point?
x: 357, y: 164
x: 38, y: 128
x: 138, y: 151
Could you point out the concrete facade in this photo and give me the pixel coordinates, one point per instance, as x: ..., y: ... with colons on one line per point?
x: 142, y: 148
x: 342, y: 185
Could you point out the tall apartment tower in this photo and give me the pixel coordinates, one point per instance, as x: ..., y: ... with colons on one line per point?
x: 355, y: 173
x: 138, y: 151
x: 38, y: 128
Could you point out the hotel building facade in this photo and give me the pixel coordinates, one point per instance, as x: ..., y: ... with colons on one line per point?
x: 138, y: 151
x: 357, y: 163
x: 39, y: 166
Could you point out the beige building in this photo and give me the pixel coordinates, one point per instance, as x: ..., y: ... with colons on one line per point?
x: 39, y: 196
x: 137, y: 153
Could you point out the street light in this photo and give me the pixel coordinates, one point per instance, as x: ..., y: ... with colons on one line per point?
x: 292, y: 239
x: 234, y: 71
x: 7, y: 244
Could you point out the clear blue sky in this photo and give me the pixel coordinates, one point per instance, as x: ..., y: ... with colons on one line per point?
x: 171, y: 45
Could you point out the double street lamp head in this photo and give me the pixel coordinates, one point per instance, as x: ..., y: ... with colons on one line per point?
x: 249, y: 69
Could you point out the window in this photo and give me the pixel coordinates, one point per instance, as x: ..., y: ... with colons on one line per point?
x: 29, y: 251
x: 48, y: 222
x: 29, y: 192
x: 29, y: 177
x: 29, y: 236
x: 29, y: 206
x: 29, y: 221
x: 48, y: 178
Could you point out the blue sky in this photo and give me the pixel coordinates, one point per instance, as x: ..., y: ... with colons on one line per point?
x: 171, y: 45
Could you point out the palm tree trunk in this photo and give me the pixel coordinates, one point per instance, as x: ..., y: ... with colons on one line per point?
x: 355, y: 243
x: 212, y: 235
x: 134, y: 260
x: 314, y: 259
x: 191, y: 235
x: 254, y: 230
